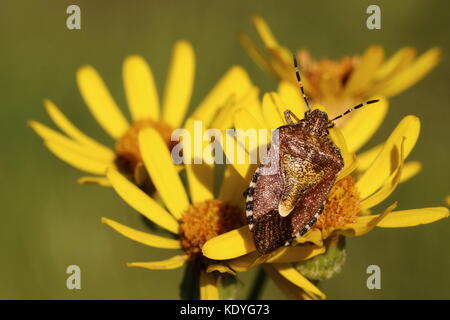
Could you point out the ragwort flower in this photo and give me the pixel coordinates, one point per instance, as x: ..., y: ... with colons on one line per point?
x: 347, y: 209
x: 338, y: 84
x: 193, y: 215
x: 86, y: 154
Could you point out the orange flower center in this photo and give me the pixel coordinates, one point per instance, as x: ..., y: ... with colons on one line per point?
x: 317, y: 70
x: 326, y: 79
x: 127, y: 147
x: 342, y: 205
x: 206, y: 220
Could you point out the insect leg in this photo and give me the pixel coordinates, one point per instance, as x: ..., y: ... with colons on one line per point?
x: 288, y: 115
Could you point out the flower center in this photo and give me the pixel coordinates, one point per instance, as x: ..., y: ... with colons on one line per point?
x: 342, y: 205
x: 318, y: 70
x: 206, y: 220
x: 127, y: 147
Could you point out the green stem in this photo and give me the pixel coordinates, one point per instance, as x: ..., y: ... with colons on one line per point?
x: 258, y: 285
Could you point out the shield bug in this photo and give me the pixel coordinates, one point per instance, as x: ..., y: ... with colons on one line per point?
x: 284, y: 203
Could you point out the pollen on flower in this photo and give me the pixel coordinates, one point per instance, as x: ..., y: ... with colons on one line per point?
x: 318, y: 70
x: 342, y: 205
x: 206, y: 220
x: 326, y: 78
x: 127, y: 147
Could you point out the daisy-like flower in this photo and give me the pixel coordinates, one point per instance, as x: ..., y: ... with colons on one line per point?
x: 338, y: 84
x: 348, y: 206
x: 86, y: 154
x: 193, y: 214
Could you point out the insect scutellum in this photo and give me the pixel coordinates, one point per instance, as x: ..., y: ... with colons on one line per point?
x: 288, y: 114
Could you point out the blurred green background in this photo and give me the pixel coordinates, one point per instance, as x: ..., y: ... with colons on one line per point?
x: 49, y: 222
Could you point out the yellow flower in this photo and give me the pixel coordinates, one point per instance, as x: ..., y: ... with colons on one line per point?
x: 346, y: 212
x: 194, y: 214
x: 86, y: 154
x: 338, y: 84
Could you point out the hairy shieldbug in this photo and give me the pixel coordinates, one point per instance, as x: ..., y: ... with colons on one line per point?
x: 284, y: 204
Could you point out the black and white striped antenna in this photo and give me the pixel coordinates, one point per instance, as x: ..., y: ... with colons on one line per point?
x: 299, y: 80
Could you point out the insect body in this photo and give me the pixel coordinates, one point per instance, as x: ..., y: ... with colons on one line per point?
x: 283, y: 204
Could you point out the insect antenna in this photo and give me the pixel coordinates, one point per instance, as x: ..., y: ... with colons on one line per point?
x: 299, y: 80
x: 353, y: 109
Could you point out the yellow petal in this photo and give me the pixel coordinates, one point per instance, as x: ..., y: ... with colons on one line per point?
x: 283, y: 65
x: 410, y: 169
x: 76, y: 159
x: 224, y: 116
x: 140, y: 89
x: 288, y: 272
x: 413, y: 217
x: 100, y: 181
x: 390, y: 184
x: 68, y: 128
x: 296, y: 253
x: 169, y: 264
x: 364, y: 224
x: 313, y: 236
x: 366, y: 158
x: 100, y: 102
x: 143, y: 237
x: 179, y: 84
x: 208, y: 286
x: 350, y: 165
x: 362, y: 74
x: 232, y: 150
x: 48, y: 134
x: 350, y: 161
x: 141, y: 202
x: 292, y: 98
x: 339, y: 139
x: 220, y: 268
x: 255, y: 53
x: 408, y: 130
x: 252, y: 104
x: 363, y: 124
x: 239, y: 242
x: 270, y: 110
x: 200, y: 176
x: 395, y: 63
x: 162, y: 171
x: 229, y: 245
x: 412, y: 73
x: 233, y: 186
x: 246, y: 124
x: 287, y: 287
x: 238, y: 172
x: 283, y: 254
x: 235, y: 82
x: 247, y: 262
x: 264, y: 32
